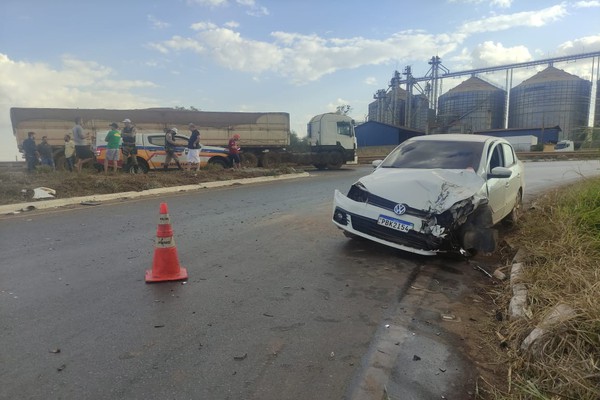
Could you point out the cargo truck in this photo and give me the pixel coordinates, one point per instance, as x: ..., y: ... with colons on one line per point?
x: 265, y: 136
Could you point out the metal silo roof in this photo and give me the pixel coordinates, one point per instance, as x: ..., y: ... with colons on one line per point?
x: 550, y: 74
x: 474, y: 84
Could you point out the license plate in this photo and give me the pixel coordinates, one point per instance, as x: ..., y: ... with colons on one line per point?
x: 394, y: 223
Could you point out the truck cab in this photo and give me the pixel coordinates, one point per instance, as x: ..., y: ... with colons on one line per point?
x: 565, y: 145
x: 334, y: 134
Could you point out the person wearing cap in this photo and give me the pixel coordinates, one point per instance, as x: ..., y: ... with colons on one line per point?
x: 113, y: 140
x: 170, y: 148
x: 128, y: 135
x: 82, y: 146
x: 193, y: 148
x: 234, y: 151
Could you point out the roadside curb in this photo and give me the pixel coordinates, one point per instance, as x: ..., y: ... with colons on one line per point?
x: 46, y: 204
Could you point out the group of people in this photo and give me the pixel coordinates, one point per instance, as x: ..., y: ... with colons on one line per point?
x: 37, y: 153
x: 77, y: 148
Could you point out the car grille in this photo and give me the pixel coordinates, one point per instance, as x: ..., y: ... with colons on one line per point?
x: 363, y: 196
x: 410, y: 239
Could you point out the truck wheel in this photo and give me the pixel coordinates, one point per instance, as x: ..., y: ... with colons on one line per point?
x: 320, y: 166
x: 218, y: 162
x: 270, y: 160
x: 335, y: 160
x: 249, y: 160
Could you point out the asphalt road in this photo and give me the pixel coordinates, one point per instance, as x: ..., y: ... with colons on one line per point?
x: 278, y: 305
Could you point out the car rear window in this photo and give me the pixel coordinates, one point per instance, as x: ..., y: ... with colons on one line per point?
x: 429, y: 154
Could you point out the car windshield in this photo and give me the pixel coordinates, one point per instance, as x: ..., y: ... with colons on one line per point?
x: 430, y: 154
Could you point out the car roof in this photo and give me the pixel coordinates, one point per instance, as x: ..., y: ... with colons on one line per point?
x: 455, y: 137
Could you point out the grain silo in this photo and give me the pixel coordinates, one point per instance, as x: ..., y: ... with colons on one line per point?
x: 549, y: 98
x: 474, y: 105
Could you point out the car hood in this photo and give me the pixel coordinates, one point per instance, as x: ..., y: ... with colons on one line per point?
x: 434, y: 190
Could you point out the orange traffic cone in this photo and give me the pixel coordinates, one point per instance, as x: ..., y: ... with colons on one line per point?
x: 165, y: 266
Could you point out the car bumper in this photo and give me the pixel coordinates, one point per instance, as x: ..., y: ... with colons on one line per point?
x: 360, y: 219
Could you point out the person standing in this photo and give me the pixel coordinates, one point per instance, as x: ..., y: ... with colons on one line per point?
x: 45, y: 151
x: 234, y: 151
x: 193, y: 148
x: 82, y: 145
x: 113, y: 141
x: 170, y: 145
x: 128, y: 135
x: 30, y: 151
x: 69, y: 152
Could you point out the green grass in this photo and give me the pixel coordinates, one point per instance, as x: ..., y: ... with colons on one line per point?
x: 562, y: 237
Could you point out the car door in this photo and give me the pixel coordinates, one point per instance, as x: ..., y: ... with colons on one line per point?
x: 156, y: 150
x: 514, y: 182
x: 496, y: 186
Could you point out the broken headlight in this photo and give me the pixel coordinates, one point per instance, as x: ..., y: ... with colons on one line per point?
x: 358, y: 192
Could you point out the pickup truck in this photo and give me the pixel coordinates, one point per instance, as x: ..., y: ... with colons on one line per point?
x: 151, y: 153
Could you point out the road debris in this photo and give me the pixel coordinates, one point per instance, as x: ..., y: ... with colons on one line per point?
x: 159, y: 326
x: 54, y: 351
x: 483, y: 270
x: 62, y: 367
x: 43, y: 193
x: 240, y: 358
x: 449, y: 317
x: 416, y: 358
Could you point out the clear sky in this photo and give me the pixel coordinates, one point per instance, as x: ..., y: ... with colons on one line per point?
x: 304, y: 57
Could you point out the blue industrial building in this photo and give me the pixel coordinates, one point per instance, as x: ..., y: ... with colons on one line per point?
x: 374, y: 133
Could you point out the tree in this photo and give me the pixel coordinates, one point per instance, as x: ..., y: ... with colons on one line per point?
x: 299, y: 145
x: 344, y: 109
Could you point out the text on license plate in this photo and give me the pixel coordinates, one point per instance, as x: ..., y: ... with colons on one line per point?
x: 394, y: 223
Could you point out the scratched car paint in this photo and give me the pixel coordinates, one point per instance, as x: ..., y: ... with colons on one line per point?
x: 436, y: 193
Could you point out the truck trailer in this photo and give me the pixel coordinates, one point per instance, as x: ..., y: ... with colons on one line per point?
x: 265, y: 136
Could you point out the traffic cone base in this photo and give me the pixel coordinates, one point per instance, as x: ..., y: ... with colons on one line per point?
x: 165, y: 265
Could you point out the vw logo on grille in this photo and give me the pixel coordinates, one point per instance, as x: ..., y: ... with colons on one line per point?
x: 400, y: 209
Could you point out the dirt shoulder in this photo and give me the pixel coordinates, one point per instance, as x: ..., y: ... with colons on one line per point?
x: 18, y: 186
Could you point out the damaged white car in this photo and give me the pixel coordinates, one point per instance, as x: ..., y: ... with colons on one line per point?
x: 436, y: 193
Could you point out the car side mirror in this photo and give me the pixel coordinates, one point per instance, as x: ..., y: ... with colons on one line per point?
x: 500, y: 172
x: 376, y: 163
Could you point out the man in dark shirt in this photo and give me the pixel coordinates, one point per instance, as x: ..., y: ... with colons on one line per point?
x: 45, y: 151
x: 30, y: 151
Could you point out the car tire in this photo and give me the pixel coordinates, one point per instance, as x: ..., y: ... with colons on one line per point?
x: 218, y: 162
x: 140, y: 168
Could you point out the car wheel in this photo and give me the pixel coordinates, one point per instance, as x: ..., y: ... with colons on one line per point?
x: 218, y: 162
x: 513, y: 217
x: 140, y: 168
